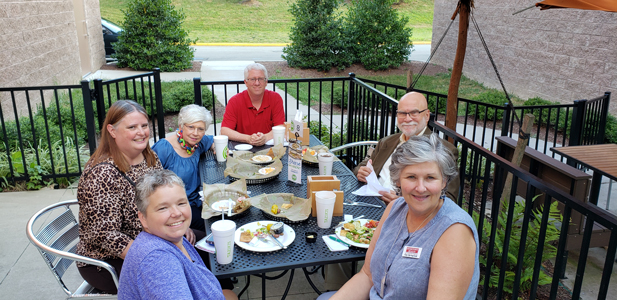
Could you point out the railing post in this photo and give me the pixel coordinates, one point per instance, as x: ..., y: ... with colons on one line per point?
x: 158, y: 97
x: 100, y: 102
x: 576, y: 130
x: 351, y: 99
x: 603, y: 116
x: 89, y: 113
x: 197, y: 90
x: 505, y: 125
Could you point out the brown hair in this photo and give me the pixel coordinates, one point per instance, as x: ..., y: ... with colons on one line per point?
x: 108, y: 148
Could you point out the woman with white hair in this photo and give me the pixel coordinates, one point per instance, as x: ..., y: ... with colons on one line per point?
x: 180, y: 153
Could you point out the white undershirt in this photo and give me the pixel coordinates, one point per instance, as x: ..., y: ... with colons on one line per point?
x: 384, y: 174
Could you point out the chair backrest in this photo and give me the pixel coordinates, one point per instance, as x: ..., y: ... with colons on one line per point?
x: 57, y: 241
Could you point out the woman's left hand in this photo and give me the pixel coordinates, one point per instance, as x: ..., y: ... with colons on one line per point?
x: 190, y: 235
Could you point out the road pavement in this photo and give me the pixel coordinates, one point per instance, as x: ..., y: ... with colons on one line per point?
x: 271, y: 53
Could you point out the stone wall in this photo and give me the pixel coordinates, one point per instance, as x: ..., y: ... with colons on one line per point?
x: 558, y: 54
x: 39, y: 47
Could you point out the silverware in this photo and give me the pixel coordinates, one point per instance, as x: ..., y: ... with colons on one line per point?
x: 278, y: 242
x: 343, y: 223
x: 363, y: 204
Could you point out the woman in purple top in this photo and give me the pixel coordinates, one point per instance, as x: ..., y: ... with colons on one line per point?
x: 161, y: 263
x: 425, y: 246
x: 180, y: 153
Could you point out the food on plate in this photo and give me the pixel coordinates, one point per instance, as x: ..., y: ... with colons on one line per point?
x: 270, y: 153
x: 310, y: 151
x: 266, y: 170
x: 246, y: 236
x: 275, y: 209
x: 286, y: 205
x: 262, y: 158
x: 262, y: 233
x: 241, y: 204
x: 359, y: 233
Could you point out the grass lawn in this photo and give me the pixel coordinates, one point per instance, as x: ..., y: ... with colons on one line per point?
x: 225, y: 21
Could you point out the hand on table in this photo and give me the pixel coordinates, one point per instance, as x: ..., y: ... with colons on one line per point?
x: 364, y: 171
x: 388, y: 197
x: 190, y: 235
x: 257, y: 139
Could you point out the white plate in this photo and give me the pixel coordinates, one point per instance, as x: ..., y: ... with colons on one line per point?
x: 244, y: 147
x: 261, y: 158
x: 262, y: 171
x: 348, y: 241
x: 222, y: 205
x: 287, y: 238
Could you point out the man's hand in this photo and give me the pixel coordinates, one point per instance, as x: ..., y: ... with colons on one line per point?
x: 388, y: 197
x: 257, y: 139
x: 190, y: 235
x: 364, y: 172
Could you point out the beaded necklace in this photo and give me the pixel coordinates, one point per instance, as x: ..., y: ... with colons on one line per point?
x: 183, y: 144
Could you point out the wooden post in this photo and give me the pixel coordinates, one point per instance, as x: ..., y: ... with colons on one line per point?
x: 517, y: 157
x: 463, y: 9
x: 409, y: 79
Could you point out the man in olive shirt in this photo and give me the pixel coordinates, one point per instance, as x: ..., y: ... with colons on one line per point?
x: 412, y: 119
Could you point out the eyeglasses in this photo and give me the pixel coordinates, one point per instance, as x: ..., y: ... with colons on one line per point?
x: 412, y: 114
x: 259, y: 79
x: 191, y: 128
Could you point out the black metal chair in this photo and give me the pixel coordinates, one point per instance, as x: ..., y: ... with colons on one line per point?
x: 57, y: 243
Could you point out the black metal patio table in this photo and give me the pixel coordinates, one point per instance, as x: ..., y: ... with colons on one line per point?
x: 299, y: 254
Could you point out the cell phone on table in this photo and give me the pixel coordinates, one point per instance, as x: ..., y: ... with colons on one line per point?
x: 210, y: 239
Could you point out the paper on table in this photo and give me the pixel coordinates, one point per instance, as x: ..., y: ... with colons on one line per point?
x: 334, y: 245
x: 372, y: 186
x: 202, y: 245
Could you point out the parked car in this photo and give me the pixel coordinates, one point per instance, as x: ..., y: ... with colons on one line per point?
x: 110, y: 35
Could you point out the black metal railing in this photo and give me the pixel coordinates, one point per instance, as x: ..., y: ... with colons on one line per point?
x: 518, y: 247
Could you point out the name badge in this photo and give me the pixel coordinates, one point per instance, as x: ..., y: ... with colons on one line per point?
x: 412, y: 252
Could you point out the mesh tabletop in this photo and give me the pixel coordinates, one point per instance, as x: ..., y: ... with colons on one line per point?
x: 299, y: 253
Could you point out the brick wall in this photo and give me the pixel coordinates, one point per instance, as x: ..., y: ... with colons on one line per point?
x: 558, y: 54
x: 38, y: 46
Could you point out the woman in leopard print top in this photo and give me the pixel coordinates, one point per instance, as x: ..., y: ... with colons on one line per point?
x: 108, y: 221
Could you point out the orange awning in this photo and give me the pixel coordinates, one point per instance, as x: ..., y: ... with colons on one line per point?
x: 605, y: 5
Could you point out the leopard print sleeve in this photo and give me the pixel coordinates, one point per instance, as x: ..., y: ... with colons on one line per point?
x: 108, y: 219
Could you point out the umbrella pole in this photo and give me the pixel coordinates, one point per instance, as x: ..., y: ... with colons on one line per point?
x: 463, y: 9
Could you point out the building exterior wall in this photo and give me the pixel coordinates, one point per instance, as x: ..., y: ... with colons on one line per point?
x: 558, y: 54
x: 39, y: 47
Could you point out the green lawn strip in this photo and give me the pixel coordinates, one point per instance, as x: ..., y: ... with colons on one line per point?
x: 468, y: 89
x: 225, y: 21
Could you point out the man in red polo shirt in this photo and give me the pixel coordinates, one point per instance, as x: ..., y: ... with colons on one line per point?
x: 250, y: 115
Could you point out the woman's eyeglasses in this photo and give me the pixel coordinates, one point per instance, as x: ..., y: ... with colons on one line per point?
x: 412, y: 114
x: 191, y: 128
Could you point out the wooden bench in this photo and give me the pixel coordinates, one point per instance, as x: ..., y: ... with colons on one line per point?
x: 564, y: 177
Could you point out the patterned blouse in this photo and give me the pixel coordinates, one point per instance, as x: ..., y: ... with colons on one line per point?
x: 108, y: 219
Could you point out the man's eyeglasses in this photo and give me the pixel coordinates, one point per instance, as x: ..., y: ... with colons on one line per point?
x: 191, y: 128
x: 413, y: 113
x: 259, y: 79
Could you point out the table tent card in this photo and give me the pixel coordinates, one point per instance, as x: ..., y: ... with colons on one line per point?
x: 294, y: 163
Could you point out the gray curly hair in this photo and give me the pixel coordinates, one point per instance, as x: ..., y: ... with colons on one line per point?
x: 150, y: 182
x: 421, y: 149
x: 194, y: 113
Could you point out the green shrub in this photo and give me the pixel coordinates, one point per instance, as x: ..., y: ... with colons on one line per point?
x: 177, y: 94
x: 611, y: 129
x: 531, y: 244
x: 153, y: 37
x: 377, y: 34
x: 495, y: 97
x: 542, y: 115
x: 316, y: 40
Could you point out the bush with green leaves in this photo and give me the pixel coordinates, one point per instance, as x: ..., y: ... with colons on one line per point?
x: 611, y: 129
x: 153, y: 37
x: 549, y: 251
x: 495, y: 97
x: 548, y: 116
x: 377, y: 35
x: 316, y: 41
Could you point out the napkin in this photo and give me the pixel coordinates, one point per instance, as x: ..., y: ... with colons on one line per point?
x: 333, y: 245
x: 372, y: 186
x: 271, y: 142
x: 202, y: 245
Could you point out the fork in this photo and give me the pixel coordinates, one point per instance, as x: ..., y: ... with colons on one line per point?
x: 362, y: 204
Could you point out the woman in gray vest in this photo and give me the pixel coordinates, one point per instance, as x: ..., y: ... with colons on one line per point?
x: 425, y: 246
